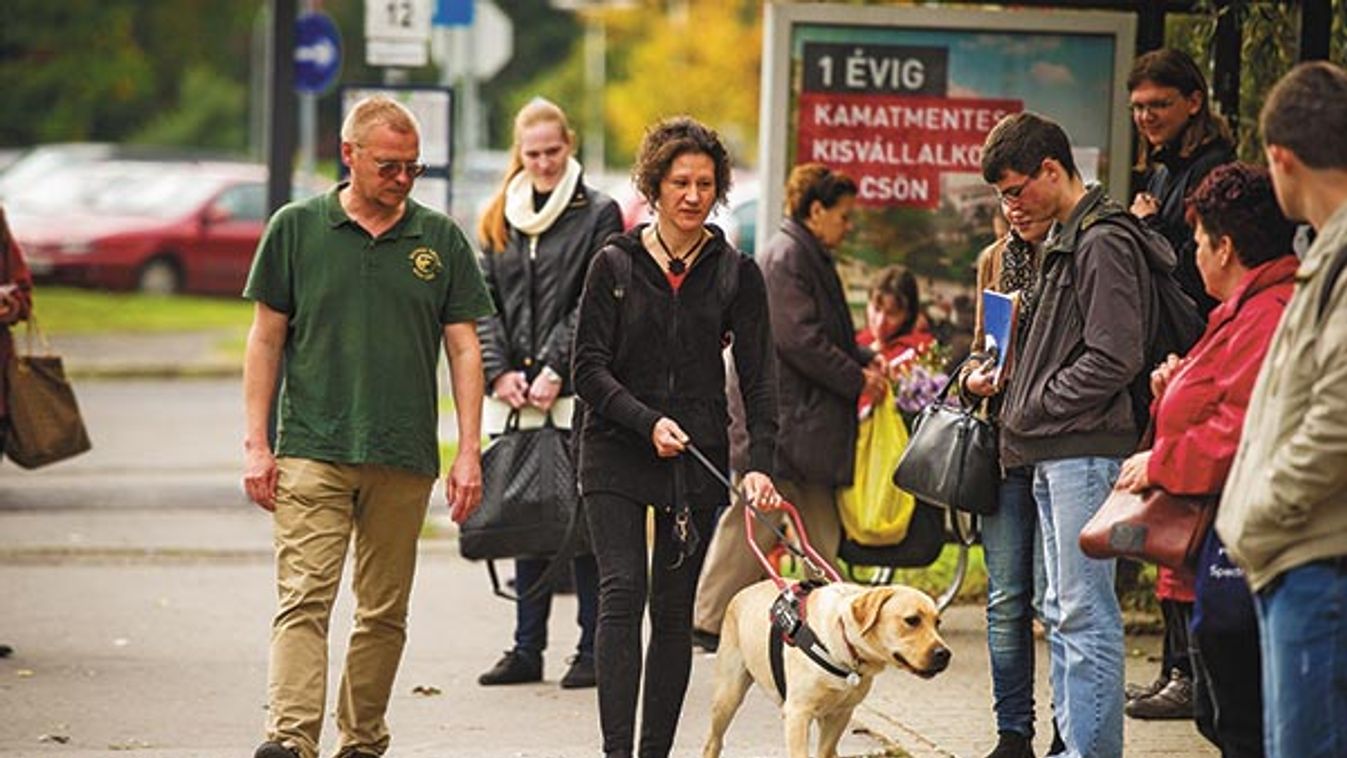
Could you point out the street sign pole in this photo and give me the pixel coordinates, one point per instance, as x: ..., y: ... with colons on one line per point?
x: 280, y: 104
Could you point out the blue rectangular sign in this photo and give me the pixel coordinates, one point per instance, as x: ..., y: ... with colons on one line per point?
x: 453, y: 13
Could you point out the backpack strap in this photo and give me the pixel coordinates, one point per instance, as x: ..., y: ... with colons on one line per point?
x: 1330, y: 281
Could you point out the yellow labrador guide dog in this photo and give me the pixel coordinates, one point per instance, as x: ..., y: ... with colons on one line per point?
x: 844, y: 635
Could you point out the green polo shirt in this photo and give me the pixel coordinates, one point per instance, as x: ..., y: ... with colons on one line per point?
x: 366, y: 320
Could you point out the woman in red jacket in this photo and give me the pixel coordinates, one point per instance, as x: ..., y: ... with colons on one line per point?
x: 1244, y: 257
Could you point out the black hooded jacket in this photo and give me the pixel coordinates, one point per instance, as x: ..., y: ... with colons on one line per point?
x: 648, y: 352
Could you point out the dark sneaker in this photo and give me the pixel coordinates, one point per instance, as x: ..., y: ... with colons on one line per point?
x: 707, y: 641
x: 275, y: 750
x: 352, y: 752
x: 6, y: 651
x: 1138, y: 691
x: 1012, y: 745
x: 580, y: 674
x: 514, y: 667
x: 1173, y: 701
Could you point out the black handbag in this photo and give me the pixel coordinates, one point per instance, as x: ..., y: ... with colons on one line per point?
x: 529, y: 496
x: 951, y: 458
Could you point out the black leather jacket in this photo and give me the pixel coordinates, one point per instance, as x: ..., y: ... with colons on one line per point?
x: 536, y: 304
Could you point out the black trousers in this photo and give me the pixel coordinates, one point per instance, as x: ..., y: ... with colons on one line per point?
x: 627, y: 579
x: 1228, y: 692
x: 1178, y: 615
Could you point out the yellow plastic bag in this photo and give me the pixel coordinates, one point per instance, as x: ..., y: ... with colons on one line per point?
x: 875, y: 512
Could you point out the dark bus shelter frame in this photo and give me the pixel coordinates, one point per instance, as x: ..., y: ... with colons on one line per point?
x: 1316, y: 18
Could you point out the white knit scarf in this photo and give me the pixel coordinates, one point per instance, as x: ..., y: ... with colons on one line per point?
x: 519, y: 201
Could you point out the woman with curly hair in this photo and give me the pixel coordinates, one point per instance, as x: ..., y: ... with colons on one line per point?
x: 656, y: 312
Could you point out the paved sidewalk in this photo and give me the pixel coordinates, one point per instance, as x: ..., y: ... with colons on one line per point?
x: 146, y: 630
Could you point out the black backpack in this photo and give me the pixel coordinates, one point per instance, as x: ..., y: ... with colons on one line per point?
x: 1173, y: 325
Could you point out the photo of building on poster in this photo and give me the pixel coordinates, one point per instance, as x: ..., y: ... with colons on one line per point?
x: 903, y: 102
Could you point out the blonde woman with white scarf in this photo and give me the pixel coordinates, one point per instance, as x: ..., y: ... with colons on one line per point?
x: 538, y: 235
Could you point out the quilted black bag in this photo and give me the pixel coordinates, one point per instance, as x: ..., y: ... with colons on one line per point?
x: 528, y: 495
x: 951, y: 459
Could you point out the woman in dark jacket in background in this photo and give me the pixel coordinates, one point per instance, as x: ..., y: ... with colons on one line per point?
x: 823, y: 371
x: 1180, y: 141
x: 538, y: 236
x: 654, y: 317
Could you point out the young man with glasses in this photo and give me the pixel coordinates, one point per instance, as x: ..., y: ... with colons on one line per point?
x: 357, y: 289
x: 1067, y: 410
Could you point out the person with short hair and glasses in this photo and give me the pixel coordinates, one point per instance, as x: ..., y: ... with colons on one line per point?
x: 1067, y: 410
x: 357, y: 289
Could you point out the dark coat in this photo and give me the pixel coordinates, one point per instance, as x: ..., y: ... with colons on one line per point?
x: 535, y: 311
x: 1069, y: 394
x: 1171, y: 179
x: 630, y: 372
x: 820, y: 364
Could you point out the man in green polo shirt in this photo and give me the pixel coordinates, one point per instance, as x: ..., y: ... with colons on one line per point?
x: 356, y: 289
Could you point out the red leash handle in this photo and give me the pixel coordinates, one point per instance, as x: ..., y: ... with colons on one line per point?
x: 812, y: 559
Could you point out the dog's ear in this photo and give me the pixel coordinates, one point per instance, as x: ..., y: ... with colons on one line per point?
x: 865, y: 608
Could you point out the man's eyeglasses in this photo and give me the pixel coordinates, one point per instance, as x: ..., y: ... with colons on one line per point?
x: 390, y: 169
x: 1153, y: 106
x: 1011, y: 195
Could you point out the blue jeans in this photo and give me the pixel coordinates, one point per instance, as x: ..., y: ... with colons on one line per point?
x: 1014, y: 556
x: 1085, y: 630
x: 1302, y: 620
x: 530, y: 626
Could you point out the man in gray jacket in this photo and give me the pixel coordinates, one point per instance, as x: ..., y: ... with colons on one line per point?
x: 1068, y: 412
x: 1283, y: 515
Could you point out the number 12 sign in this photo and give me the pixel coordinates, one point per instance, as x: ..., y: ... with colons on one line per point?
x: 403, y: 20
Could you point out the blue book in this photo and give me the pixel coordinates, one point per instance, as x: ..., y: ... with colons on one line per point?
x: 999, y: 315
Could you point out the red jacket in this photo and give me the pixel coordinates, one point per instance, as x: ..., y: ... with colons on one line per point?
x: 13, y: 270
x: 916, y: 339
x: 1199, y: 416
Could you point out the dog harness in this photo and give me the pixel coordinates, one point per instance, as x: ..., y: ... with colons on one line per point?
x: 789, y: 627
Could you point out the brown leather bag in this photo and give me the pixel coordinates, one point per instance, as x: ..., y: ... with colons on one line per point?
x: 1152, y: 526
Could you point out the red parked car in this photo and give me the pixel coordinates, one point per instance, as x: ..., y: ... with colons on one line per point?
x: 157, y: 227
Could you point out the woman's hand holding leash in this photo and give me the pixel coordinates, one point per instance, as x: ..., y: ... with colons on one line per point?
x: 668, y: 437
x: 760, y: 491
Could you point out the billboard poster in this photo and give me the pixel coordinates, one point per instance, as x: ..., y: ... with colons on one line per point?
x: 902, y: 98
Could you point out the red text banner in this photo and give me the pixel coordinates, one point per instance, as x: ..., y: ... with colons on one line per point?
x: 897, y: 147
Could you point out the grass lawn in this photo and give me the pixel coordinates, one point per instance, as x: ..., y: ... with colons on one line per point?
x: 69, y: 310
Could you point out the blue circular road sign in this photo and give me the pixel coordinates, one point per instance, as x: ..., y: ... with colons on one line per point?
x: 317, y: 53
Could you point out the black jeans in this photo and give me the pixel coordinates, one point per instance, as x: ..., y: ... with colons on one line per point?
x: 617, y: 527
x: 1228, y: 692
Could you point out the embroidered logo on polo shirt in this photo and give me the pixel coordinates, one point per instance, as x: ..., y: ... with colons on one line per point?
x: 425, y: 264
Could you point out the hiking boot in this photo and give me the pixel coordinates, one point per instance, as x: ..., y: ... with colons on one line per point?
x: 274, y: 750
x: 1012, y: 745
x: 1173, y: 701
x: 708, y: 641
x: 1138, y: 691
x: 515, y: 667
x: 580, y: 674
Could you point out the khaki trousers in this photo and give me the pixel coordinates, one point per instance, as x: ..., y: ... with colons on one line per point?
x: 319, y: 507
x: 730, y: 564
